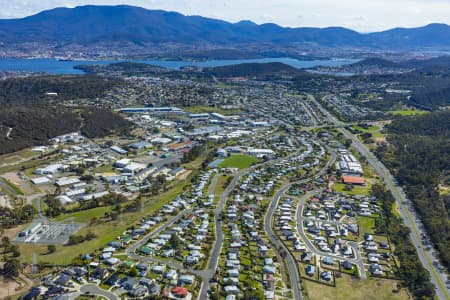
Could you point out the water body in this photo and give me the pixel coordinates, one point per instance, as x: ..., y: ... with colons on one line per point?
x: 54, y: 66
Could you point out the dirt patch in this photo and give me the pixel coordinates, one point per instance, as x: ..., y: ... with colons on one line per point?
x: 12, y: 177
x: 9, y: 287
x: 13, y: 232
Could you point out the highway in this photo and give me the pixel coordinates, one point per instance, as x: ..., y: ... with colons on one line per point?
x: 401, y: 200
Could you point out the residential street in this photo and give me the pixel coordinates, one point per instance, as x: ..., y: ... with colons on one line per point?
x: 402, y: 203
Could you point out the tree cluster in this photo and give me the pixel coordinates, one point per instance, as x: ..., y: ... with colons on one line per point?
x: 413, y: 275
x: 418, y: 154
x: 19, y: 215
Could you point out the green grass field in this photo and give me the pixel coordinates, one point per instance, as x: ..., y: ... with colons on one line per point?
x: 220, y: 184
x: 408, y: 112
x: 366, y: 225
x: 209, y: 109
x: 84, y: 216
x: 357, y: 190
x: 14, y: 187
x: 238, y: 161
x: 370, y: 129
x: 350, y: 288
x: 105, y: 169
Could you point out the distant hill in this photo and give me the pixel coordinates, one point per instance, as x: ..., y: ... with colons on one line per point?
x: 124, y: 26
x: 253, y: 70
x: 376, y: 62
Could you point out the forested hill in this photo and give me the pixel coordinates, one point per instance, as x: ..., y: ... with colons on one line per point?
x: 430, y: 125
x: 254, y: 70
x: 418, y: 153
x: 29, y: 116
x: 33, y: 90
x: 32, y: 126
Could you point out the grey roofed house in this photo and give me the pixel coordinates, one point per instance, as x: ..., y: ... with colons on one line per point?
x: 138, y: 291
x: 154, y: 289
x: 140, y: 145
x: 307, y: 257
x: 32, y: 294
x: 347, y: 265
x: 116, y: 245
x: 142, y: 266
x: 310, y: 270
x: 80, y: 271
x: 328, y: 260
x: 112, y: 280
x: 269, y: 269
x: 145, y: 281
x: 63, y: 279
x: 325, y: 275
x: 128, y: 283
x: 187, y: 279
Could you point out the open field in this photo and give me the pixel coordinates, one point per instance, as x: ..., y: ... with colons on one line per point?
x: 105, y: 169
x: 11, y: 186
x: 408, y: 112
x: 370, y: 129
x: 351, y: 288
x: 366, y: 225
x: 356, y: 189
x: 220, y: 184
x: 238, y: 161
x: 208, y: 109
x: 374, y: 130
x: 83, y: 216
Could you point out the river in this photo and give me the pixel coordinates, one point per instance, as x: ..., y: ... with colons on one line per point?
x: 54, y: 66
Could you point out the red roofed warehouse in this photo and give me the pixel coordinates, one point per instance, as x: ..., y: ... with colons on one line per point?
x: 353, y: 180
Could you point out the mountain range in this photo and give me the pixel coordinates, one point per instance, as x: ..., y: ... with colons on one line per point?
x: 102, y: 25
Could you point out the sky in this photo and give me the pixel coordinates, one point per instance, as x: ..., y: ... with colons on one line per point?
x: 360, y: 15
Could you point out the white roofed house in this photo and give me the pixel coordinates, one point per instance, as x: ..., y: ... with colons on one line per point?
x: 133, y: 168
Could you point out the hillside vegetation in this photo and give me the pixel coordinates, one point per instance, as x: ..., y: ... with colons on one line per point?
x: 31, y: 126
x: 32, y: 90
x: 418, y: 153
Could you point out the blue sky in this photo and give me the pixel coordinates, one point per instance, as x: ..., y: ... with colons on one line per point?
x: 361, y: 15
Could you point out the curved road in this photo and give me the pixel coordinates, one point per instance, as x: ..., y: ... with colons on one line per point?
x: 299, y: 217
x: 93, y: 289
x: 294, y: 273
x: 291, y: 264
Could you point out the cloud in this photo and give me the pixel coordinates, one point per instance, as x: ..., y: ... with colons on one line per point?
x: 362, y: 15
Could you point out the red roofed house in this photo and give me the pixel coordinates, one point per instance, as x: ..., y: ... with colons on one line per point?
x: 353, y: 180
x: 180, y: 292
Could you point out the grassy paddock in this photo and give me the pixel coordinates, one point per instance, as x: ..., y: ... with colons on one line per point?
x: 408, y: 112
x: 350, y: 288
x: 209, y: 109
x: 238, y: 161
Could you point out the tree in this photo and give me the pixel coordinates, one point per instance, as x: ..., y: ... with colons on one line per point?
x: 15, y: 251
x: 6, y: 243
x: 348, y: 142
x: 11, y: 268
x: 133, y: 272
x: 175, y: 241
x: 90, y: 235
x: 51, y: 248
